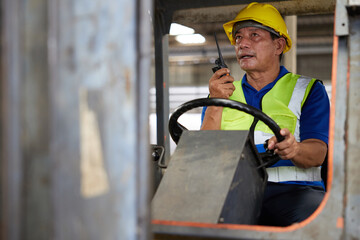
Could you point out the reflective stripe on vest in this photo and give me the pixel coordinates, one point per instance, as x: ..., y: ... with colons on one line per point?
x: 292, y: 173
x: 296, y: 100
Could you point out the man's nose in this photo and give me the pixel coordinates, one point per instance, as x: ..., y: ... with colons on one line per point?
x: 244, y: 43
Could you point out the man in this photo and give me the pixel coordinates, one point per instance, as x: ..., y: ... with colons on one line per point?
x: 298, y: 104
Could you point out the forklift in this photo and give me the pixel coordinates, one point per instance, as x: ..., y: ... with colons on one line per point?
x: 183, y: 206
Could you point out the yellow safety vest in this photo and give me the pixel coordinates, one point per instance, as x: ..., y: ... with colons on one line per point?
x: 283, y: 104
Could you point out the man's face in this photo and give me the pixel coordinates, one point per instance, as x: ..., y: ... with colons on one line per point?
x: 255, y: 49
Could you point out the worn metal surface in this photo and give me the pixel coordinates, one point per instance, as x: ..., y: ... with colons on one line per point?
x: 161, y: 42
x: 190, y: 12
x: 143, y: 165
x: 71, y: 167
x: 352, y: 196
x: 211, y: 177
x: 221, y: 13
x: 341, y: 20
x: 34, y: 121
x: 10, y: 155
x: 93, y: 121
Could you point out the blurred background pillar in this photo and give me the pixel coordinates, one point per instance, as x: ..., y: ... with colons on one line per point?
x: 290, y: 57
x: 74, y: 119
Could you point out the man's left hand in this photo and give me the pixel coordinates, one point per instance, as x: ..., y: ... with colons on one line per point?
x: 286, y: 149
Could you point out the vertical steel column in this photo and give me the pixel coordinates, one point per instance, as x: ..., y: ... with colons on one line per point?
x: 144, y: 43
x: 93, y: 87
x: 352, y: 197
x: 71, y: 166
x: 162, y: 91
x: 34, y: 112
x: 162, y: 81
x: 10, y: 143
x: 290, y: 57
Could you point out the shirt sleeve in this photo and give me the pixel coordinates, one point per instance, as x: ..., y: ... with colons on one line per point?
x: 203, y: 115
x: 314, y: 119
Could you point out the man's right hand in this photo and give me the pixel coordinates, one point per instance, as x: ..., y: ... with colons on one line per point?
x: 221, y: 84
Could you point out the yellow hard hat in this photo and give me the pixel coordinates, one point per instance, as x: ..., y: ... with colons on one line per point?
x: 265, y: 14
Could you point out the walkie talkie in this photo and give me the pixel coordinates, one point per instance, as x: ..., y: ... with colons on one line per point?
x: 220, y: 63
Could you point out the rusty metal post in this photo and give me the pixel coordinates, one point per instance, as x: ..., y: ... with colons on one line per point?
x: 74, y: 119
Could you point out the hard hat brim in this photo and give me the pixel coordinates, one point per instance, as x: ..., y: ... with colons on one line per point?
x: 250, y: 23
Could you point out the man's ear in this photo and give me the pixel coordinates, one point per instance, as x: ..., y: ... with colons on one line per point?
x: 280, y: 45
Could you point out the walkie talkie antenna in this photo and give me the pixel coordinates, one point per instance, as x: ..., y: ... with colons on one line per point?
x: 221, y: 59
x: 220, y: 63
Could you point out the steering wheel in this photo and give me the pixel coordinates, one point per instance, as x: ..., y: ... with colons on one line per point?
x: 176, y: 129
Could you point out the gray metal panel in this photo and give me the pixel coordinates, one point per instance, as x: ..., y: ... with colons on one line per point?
x: 70, y: 87
x: 352, y: 214
x: 93, y: 118
x: 341, y: 20
x: 161, y: 43
x: 143, y: 187
x: 198, y: 179
x: 35, y: 105
x: 10, y: 151
x: 221, y: 13
x: 162, y: 89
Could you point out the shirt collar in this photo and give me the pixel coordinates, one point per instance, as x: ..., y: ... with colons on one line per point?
x: 282, y: 72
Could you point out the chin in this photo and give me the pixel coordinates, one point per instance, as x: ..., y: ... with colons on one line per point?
x: 247, y: 67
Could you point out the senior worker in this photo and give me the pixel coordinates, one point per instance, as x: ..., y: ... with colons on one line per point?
x: 298, y: 104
